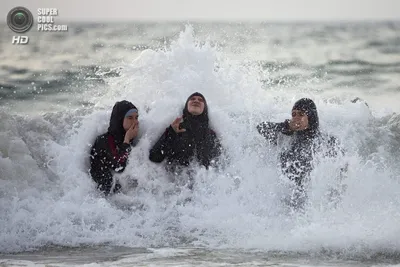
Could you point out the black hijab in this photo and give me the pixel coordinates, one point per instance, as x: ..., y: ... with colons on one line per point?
x: 308, y: 106
x: 197, y: 124
x: 116, y: 128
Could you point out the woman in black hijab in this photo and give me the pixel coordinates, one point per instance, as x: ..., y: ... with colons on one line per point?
x: 306, y: 141
x: 110, y: 150
x: 189, y: 138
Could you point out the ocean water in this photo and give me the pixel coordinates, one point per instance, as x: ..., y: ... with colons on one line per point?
x: 56, y: 95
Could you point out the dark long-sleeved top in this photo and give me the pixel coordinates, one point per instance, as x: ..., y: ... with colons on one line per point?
x: 179, y: 149
x: 106, y: 157
x: 296, y: 161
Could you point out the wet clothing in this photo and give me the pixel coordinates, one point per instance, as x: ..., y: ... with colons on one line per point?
x: 296, y: 161
x: 109, y: 153
x: 182, y: 148
x: 105, y: 157
x: 198, y: 142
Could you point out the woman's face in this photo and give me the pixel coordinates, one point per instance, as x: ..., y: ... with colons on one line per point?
x: 300, y: 120
x: 130, y: 120
x: 196, y: 105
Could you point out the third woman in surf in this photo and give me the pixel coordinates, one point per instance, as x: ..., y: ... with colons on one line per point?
x: 306, y: 141
x: 188, y: 139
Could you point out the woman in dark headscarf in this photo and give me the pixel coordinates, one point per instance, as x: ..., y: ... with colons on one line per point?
x: 189, y: 138
x: 110, y: 151
x: 303, y: 128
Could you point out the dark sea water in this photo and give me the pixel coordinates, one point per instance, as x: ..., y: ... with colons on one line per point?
x: 56, y: 94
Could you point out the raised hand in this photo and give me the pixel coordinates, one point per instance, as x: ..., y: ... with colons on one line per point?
x: 175, y: 125
x: 293, y: 125
x: 131, y: 133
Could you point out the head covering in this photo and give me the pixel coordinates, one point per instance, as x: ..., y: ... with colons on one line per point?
x: 118, y: 113
x: 203, y: 117
x: 130, y: 112
x: 308, y: 106
x: 195, y: 125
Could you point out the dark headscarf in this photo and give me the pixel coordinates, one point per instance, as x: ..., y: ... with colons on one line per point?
x: 203, y: 117
x: 197, y: 124
x: 308, y: 106
x: 116, y: 128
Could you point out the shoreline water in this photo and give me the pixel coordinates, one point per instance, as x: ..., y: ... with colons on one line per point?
x: 253, y: 75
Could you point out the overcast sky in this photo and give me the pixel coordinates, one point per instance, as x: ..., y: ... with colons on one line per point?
x: 268, y: 10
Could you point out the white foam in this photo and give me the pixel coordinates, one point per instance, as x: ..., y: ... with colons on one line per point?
x: 239, y: 207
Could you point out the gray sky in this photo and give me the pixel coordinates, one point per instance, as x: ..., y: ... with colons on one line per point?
x: 268, y: 10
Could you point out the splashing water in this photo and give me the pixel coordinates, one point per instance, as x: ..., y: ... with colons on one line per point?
x: 47, y: 196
